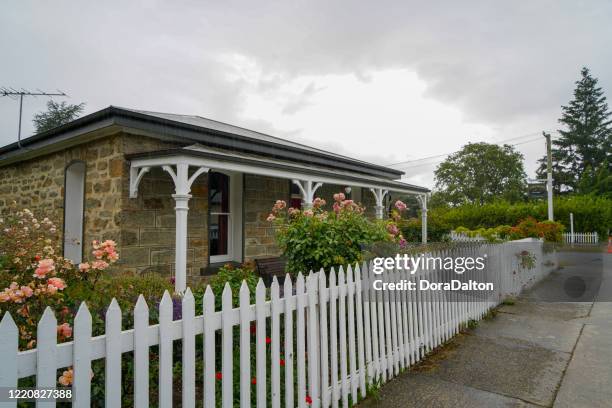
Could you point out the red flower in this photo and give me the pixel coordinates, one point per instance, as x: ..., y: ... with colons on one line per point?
x: 218, y: 376
x: 268, y: 340
x: 308, y: 400
x: 37, y: 258
x: 282, y: 362
x: 253, y: 380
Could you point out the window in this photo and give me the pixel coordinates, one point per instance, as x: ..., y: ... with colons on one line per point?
x: 296, y: 196
x: 219, y: 226
x: 225, y: 217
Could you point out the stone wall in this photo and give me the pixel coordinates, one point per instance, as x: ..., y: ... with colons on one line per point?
x: 38, y: 184
x: 259, y: 196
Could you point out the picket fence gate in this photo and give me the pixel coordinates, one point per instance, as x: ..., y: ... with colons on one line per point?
x: 347, y: 336
x: 581, y: 238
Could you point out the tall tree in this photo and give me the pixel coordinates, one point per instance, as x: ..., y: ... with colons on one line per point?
x: 57, y: 114
x: 480, y: 173
x: 583, y: 153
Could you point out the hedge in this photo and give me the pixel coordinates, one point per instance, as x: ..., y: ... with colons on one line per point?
x: 591, y: 214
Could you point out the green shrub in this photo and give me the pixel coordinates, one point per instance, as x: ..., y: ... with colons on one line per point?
x: 591, y: 214
x: 313, y: 239
x: 437, y: 230
x: 234, y: 276
x: 551, y: 231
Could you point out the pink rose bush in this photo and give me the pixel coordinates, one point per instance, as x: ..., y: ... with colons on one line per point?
x: 316, y: 238
x: 34, y: 275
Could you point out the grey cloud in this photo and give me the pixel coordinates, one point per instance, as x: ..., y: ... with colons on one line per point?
x: 499, y: 62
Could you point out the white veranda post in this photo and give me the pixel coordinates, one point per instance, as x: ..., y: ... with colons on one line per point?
x: 308, y: 188
x: 379, y: 195
x: 423, y: 201
x: 182, y: 187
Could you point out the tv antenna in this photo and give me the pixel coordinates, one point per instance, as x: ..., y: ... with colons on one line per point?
x: 20, y: 93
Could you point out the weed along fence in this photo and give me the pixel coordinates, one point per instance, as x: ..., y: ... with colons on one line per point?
x: 580, y: 238
x: 321, y: 341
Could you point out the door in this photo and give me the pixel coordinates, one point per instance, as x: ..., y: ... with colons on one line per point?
x: 74, y: 197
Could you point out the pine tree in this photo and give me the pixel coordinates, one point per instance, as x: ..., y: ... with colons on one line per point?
x: 585, y: 145
x: 57, y: 114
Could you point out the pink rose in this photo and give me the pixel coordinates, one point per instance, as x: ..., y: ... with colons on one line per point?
x: 66, y: 378
x: 308, y: 213
x: 27, y: 291
x: 339, y: 197
x: 392, y: 228
x: 318, y: 202
x: 44, y: 267
x: 280, y: 204
x: 400, y: 205
x: 84, y: 267
x: 270, y: 218
x: 64, y: 330
x: 100, y: 265
x: 57, y: 283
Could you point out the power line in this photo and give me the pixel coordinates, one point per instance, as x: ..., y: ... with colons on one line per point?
x: 440, y: 161
x: 447, y: 154
x: 14, y: 94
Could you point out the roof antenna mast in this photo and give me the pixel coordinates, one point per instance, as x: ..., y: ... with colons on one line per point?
x: 14, y: 94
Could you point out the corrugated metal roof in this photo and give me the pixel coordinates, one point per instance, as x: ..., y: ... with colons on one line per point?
x: 203, y: 122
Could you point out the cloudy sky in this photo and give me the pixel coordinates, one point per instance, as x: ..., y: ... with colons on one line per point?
x: 385, y: 81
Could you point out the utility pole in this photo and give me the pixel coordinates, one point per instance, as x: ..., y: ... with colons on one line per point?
x: 549, y: 179
x: 14, y: 93
x: 572, y: 228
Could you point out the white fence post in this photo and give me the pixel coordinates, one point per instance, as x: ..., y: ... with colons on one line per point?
x: 46, y: 364
x: 81, y: 385
x: 275, y: 368
x: 188, y: 356
x: 208, y: 313
x: 112, y: 365
x: 8, y: 353
x: 288, y: 349
x: 260, y: 341
x: 141, y: 353
x: 165, y: 351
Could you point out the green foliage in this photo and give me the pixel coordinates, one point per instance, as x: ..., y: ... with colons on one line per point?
x: 551, y: 231
x: 437, y: 229
x: 315, y: 239
x: 480, y: 173
x: 591, y: 213
x: 582, y: 156
x: 57, y: 114
x: 234, y: 276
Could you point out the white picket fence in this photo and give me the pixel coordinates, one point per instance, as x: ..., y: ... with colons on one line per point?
x: 463, y: 237
x: 581, y: 238
x: 347, y: 336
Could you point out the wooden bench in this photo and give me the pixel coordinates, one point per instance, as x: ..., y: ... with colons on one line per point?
x: 267, y: 268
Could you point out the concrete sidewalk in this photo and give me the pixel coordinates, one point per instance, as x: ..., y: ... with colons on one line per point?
x: 535, y: 353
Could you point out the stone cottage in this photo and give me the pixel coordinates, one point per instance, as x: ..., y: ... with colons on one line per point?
x: 179, y: 194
